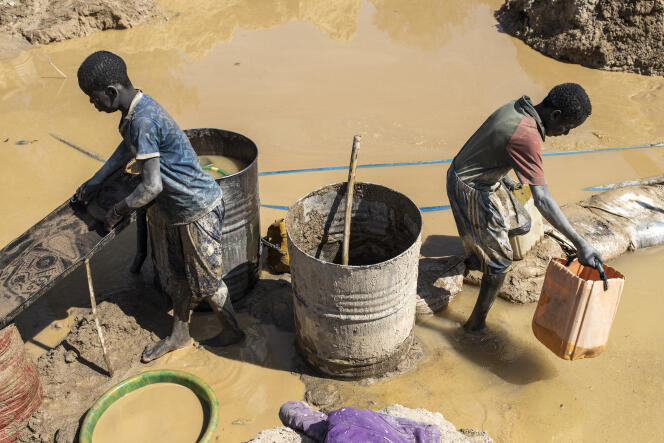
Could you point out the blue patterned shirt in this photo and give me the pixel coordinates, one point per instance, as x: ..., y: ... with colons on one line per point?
x: 188, y: 192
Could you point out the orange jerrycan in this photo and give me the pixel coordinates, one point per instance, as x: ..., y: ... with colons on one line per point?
x: 576, y: 309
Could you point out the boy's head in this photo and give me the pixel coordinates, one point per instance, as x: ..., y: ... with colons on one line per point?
x: 564, y: 108
x: 103, y: 76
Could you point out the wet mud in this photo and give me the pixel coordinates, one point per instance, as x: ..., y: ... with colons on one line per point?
x: 300, y: 78
x: 46, y: 21
x: 605, y: 34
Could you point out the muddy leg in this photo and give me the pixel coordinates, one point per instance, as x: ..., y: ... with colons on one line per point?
x: 230, y: 332
x: 179, y: 337
x: 489, y: 289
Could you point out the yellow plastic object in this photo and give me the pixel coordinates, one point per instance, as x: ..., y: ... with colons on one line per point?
x: 522, y: 244
x: 276, y: 234
x: 575, y: 312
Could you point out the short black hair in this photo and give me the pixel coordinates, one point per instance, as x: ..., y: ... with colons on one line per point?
x: 571, y: 99
x: 102, y: 69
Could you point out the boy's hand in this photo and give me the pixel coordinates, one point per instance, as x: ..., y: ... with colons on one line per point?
x: 116, y: 214
x: 587, y: 254
x: 87, y: 191
x: 511, y: 184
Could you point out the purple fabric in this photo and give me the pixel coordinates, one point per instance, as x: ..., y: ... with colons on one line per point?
x: 299, y: 416
x: 350, y: 425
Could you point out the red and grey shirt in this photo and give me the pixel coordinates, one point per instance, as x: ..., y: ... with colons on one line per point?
x: 511, y: 138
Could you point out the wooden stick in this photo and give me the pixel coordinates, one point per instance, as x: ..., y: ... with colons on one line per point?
x: 350, y: 189
x: 50, y: 62
x: 94, y: 314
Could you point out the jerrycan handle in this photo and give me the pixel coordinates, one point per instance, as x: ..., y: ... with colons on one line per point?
x: 598, y: 266
x: 602, y: 274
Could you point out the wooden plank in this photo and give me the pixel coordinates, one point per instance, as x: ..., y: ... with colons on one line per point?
x: 54, y: 247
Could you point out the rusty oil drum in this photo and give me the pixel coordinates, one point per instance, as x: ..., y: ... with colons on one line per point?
x: 241, y: 229
x: 356, y: 320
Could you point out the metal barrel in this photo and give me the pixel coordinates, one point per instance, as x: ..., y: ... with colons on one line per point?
x: 357, y: 320
x: 241, y: 229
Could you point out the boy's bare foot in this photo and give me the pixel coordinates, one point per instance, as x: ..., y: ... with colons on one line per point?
x: 475, y: 327
x: 164, y: 346
x: 226, y: 337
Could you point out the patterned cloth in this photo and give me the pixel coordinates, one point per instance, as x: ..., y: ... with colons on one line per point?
x: 190, y: 252
x: 482, y: 219
x: 188, y: 192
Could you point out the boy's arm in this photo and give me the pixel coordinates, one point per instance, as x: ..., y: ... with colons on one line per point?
x: 550, y: 210
x: 146, y: 191
x: 88, y: 190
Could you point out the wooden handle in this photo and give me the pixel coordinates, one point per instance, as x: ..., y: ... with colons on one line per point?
x: 94, y: 314
x: 350, y: 189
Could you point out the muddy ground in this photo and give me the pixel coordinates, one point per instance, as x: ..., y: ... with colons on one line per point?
x: 74, y: 376
x: 615, y: 35
x: 46, y: 21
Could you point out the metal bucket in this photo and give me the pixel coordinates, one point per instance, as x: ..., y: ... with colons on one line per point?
x: 356, y: 320
x: 241, y: 229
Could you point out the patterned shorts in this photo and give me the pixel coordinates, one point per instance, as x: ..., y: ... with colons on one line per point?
x: 190, y: 252
x: 481, y: 217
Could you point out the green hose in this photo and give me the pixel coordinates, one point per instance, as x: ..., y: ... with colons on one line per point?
x: 214, y: 168
x: 196, y: 384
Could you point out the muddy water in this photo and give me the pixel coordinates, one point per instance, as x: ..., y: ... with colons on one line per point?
x: 510, y: 385
x: 301, y: 78
x: 251, y: 382
x: 228, y: 165
x: 162, y: 412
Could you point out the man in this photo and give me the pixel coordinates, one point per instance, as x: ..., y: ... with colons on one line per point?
x: 188, y: 206
x: 511, y: 138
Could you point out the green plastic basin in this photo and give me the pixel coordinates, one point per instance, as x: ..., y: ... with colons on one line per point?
x: 196, y: 384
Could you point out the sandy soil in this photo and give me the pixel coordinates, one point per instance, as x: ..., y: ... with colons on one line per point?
x: 73, y: 374
x: 606, y: 34
x: 46, y: 21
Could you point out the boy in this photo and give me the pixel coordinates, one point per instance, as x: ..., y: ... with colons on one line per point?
x: 187, y: 201
x: 511, y: 138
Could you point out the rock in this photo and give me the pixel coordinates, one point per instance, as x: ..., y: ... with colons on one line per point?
x: 606, y: 34
x: 323, y: 396
x: 448, y: 431
x: 67, y: 433
x: 476, y: 436
x: 438, y: 281
x: 281, y: 435
x: 70, y: 356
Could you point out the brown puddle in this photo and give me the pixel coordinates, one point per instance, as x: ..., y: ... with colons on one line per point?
x: 416, y: 80
x: 159, y: 413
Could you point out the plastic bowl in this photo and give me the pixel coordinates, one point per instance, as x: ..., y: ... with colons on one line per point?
x: 196, y: 384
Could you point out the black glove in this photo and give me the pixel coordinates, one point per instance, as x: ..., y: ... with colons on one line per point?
x: 116, y: 214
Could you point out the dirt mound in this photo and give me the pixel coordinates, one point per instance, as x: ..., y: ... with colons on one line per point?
x: 614, y: 35
x: 73, y: 374
x: 46, y: 21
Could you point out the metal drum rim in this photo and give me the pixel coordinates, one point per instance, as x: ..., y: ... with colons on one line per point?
x: 416, y: 242
x: 217, y: 130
